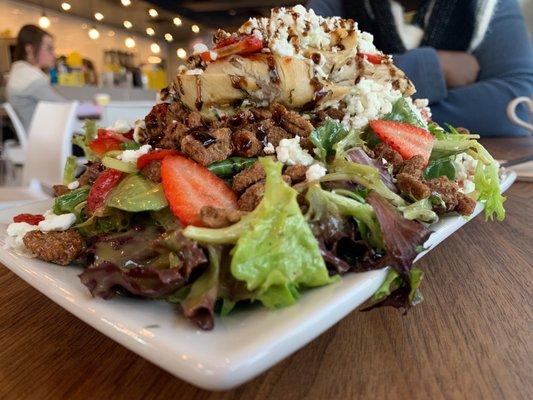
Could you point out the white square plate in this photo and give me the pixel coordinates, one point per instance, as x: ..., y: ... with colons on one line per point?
x: 241, y: 346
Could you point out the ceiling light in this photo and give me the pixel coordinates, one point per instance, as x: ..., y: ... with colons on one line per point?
x: 93, y: 33
x: 125, y: 3
x: 66, y: 6
x: 44, y: 21
x: 169, y: 37
x: 195, y: 28
x: 177, y: 21
x: 154, y: 47
x: 153, y: 12
x: 129, y: 42
x: 181, y: 53
x: 150, y: 31
x: 127, y: 24
x: 99, y: 16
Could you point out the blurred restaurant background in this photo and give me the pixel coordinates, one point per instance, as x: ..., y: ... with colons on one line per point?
x: 113, y: 56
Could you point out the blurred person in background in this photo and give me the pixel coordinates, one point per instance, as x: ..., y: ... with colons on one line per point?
x: 28, y: 81
x: 469, y: 58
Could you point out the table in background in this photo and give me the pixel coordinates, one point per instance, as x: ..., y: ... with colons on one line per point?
x: 470, y: 338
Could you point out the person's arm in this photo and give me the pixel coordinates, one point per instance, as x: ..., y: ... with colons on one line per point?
x: 326, y: 8
x: 506, y: 71
x: 42, y: 91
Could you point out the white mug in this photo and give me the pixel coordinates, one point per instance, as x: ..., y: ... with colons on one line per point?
x: 511, y: 111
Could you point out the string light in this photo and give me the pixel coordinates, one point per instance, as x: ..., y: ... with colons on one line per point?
x: 154, y: 59
x: 154, y: 47
x: 44, y: 21
x: 126, y: 3
x: 127, y: 24
x: 181, y: 53
x: 195, y: 28
x: 169, y: 37
x: 66, y: 6
x: 99, y: 16
x: 153, y: 12
x: 94, y: 33
x: 150, y: 31
x: 177, y: 21
x: 129, y: 42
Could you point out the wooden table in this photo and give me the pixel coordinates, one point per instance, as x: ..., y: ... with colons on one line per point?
x: 471, y: 338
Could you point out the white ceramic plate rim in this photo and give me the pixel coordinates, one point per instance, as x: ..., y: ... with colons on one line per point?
x: 240, y: 347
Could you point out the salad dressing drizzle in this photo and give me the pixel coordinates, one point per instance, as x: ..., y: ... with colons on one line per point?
x: 199, y: 102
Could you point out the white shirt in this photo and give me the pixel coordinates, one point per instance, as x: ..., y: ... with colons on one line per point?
x: 26, y: 86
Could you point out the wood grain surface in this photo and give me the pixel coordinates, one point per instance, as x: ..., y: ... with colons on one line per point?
x: 470, y: 339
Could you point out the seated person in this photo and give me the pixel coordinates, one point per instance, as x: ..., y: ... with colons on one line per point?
x: 469, y: 58
x: 28, y: 83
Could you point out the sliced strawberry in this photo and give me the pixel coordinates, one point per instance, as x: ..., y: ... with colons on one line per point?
x: 189, y: 186
x: 372, y: 58
x: 107, y: 140
x: 32, y: 219
x: 106, y: 181
x: 154, y: 156
x: 245, y: 45
x: 406, y: 139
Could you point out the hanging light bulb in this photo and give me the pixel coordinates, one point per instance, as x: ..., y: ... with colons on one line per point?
x: 154, y: 59
x: 150, y: 31
x: 195, y: 28
x: 94, y: 33
x: 169, y: 37
x: 129, y: 42
x: 66, y: 6
x: 99, y: 16
x: 44, y: 21
x: 126, y: 3
x: 181, y: 53
x: 153, y: 12
x: 127, y: 24
x: 154, y: 47
x: 177, y: 21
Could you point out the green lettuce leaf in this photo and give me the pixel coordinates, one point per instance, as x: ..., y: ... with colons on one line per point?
x: 402, y: 111
x: 68, y: 202
x: 83, y: 141
x: 69, y: 172
x: 392, y: 282
x: 275, y: 253
x: 422, y: 210
x: 487, y: 184
x: 135, y: 194
x: 326, y: 136
x: 440, y: 167
x: 111, y: 220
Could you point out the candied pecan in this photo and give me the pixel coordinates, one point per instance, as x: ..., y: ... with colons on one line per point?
x: 246, y: 143
x: 272, y: 133
x: 447, y: 190
x: 296, y: 172
x: 152, y: 171
x: 60, y: 190
x: 394, y: 158
x: 194, y: 119
x: 412, y: 187
x: 172, y: 136
x: 207, y: 147
x: 248, y: 177
x: 156, y: 123
x: 295, y: 124
x: 261, y: 113
x: 92, y: 171
x: 465, y: 205
x: 251, y: 197
x: 57, y: 247
x: 414, y: 166
x: 213, y: 217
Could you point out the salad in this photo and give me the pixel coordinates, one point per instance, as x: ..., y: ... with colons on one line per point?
x: 287, y: 155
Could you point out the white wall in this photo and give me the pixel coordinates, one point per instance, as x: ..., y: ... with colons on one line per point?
x: 70, y: 34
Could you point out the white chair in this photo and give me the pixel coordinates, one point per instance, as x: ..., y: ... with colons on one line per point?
x: 129, y: 111
x: 49, y: 144
x: 15, y: 152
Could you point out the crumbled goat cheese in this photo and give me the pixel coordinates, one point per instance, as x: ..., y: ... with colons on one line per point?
x: 15, y: 234
x: 422, y: 105
x: 213, y: 55
x: 120, y: 126
x: 269, y: 149
x: 315, y: 172
x: 73, y: 185
x: 131, y: 156
x: 367, y: 100
x: 465, y: 168
x: 199, y: 48
x: 365, y: 43
x: 53, y: 222
x: 290, y: 152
